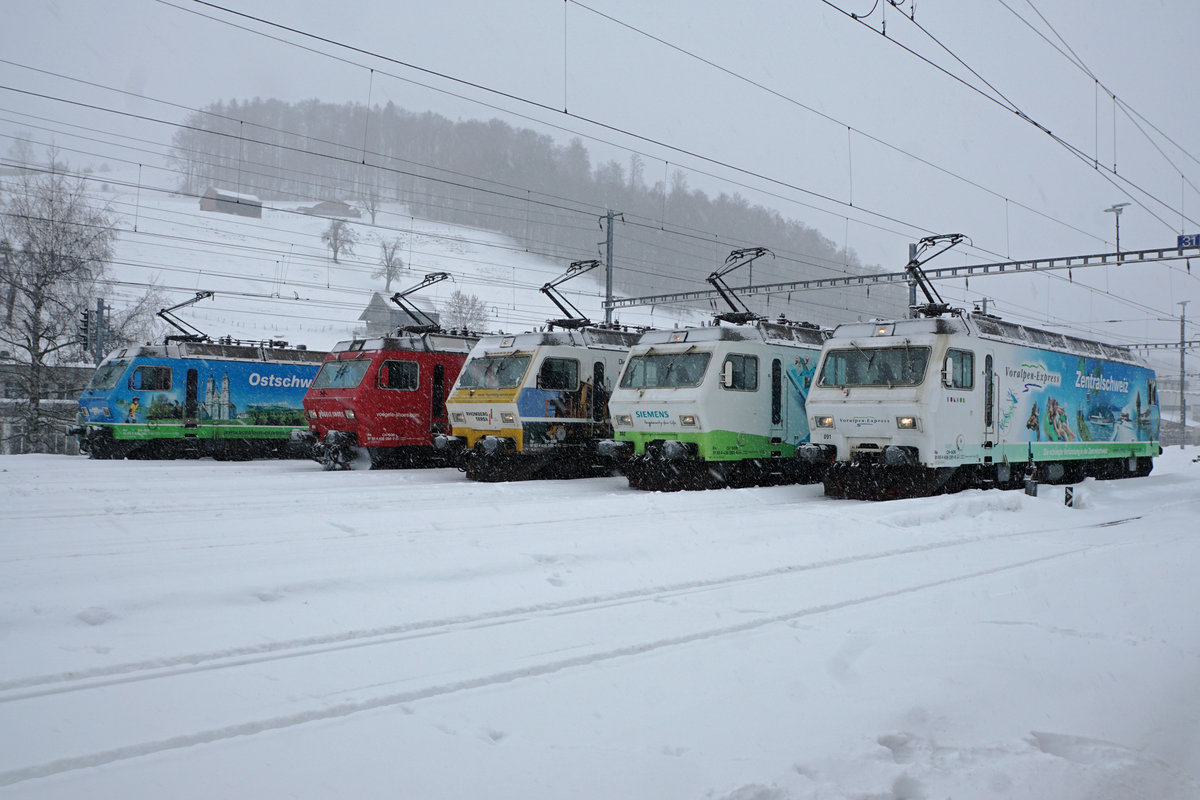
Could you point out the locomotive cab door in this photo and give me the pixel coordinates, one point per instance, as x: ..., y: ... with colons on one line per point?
x: 963, y: 415
x: 778, y: 412
x: 438, y: 400
x: 599, y: 393
x: 991, y: 399
x: 191, y: 408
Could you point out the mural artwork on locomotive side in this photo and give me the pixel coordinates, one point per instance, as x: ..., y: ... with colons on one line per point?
x: 1056, y: 399
x: 157, y: 394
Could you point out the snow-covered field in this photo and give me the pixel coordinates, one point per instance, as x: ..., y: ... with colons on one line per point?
x: 193, y: 629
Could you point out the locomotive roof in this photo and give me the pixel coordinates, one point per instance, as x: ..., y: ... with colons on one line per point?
x: 988, y: 327
x: 756, y: 331
x: 227, y: 352
x: 445, y: 342
x: 579, y: 337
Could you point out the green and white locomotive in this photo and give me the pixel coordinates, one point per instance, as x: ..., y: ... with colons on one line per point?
x: 715, y: 406
x: 720, y: 405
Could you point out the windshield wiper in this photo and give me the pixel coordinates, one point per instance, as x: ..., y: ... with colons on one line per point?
x: 671, y: 363
x: 863, y: 353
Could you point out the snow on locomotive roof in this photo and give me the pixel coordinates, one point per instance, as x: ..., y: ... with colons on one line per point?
x: 758, y: 331
x: 988, y: 327
x: 445, y: 342
x: 225, y: 351
x: 578, y: 337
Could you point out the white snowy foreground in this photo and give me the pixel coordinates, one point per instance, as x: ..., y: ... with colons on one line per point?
x: 194, y: 629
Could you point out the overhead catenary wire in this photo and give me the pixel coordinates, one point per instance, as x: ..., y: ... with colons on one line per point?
x: 1110, y: 175
x: 210, y: 4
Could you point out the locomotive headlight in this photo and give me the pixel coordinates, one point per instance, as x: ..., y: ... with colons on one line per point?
x: 508, y: 419
x: 823, y: 422
x: 459, y: 417
x: 349, y: 412
x: 908, y: 423
x: 687, y: 420
x: 308, y: 412
x: 625, y: 420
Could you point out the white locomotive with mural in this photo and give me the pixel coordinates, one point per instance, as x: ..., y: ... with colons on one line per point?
x: 941, y: 403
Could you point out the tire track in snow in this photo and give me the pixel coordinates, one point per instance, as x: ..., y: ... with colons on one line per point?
x: 202, y: 542
x: 154, y: 669
x: 343, y: 710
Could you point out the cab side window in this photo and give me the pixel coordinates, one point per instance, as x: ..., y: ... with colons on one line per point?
x: 398, y: 375
x: 960, y: 369
x: 744, y: 371
x: 151, y: 379
x: 559, y: 374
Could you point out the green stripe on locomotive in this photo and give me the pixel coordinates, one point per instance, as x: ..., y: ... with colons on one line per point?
x: 714, y: 445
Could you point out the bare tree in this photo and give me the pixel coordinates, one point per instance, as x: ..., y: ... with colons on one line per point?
x: 21, y: 149
x: 637, y: 172
x: 339, y: 238
x: 129, y: 325
x: 369, y: 198
x: 390, y: 263
x: 57, y: 246
x: 465, y: 311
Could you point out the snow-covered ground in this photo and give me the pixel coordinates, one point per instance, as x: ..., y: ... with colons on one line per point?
x: 193, y: 629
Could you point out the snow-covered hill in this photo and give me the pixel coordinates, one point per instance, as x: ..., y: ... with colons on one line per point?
x: 274, y: 277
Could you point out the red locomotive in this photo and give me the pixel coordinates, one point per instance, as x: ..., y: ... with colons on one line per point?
x: 385, y: 397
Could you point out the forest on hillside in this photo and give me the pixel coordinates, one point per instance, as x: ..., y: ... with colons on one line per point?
x: 547, y: 196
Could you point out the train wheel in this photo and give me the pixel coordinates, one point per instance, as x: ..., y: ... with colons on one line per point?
x: 336, y: 458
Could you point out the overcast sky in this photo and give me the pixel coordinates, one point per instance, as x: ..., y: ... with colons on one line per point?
x: 846, y: 131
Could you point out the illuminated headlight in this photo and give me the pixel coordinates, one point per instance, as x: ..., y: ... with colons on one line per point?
x: 625, y: 420
x: 349, y: 412
x: 508, y: 419
x: 308, y: 412
x: 459, y: 417
x: 908, y: 423
x: 687, y: 420
x: 823, y: 422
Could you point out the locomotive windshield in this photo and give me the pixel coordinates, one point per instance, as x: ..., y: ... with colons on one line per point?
x: 107, y: 375
x: 341, y: 374
x: 665, y: 370
x: 494, y: 372
x: 877, y: 366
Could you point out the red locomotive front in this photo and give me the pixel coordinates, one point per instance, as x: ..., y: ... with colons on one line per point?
x: 384, y: 398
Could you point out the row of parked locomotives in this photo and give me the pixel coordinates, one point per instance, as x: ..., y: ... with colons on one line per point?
x: 715, y: 406
x: 937, y: 403
x: 535, y: 404
x: 927, y: 405
x: 224, y: 399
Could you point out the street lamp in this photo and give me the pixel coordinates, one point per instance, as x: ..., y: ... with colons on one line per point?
x: 1116, y: 212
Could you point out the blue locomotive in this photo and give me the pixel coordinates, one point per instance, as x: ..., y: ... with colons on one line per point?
x: 192, y: 396
x: 224, y: 399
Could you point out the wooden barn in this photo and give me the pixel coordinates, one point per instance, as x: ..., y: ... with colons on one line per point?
x: 382, y: 317
x: 219, y: 200
x: 332, y: 208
